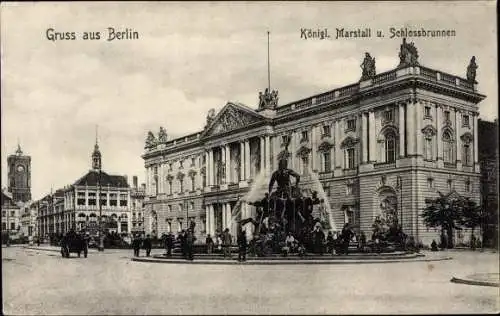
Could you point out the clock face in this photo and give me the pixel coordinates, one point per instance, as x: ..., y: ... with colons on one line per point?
x: 20, y: 168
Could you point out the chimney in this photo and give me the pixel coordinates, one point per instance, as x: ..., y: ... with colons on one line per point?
x: 134, y: 179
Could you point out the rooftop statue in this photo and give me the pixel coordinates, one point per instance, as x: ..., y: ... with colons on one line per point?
x: 210, y: 116
x: 150, y: 141
x: 162, y: 135
x: 268, y: 99
x: 471, y: 70
x: 408, y: 54
x: 368, y: 67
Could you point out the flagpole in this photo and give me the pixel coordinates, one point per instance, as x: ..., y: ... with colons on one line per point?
x: 268, y: 66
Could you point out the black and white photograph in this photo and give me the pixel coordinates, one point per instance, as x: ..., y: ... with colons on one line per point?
x: 249, y: 158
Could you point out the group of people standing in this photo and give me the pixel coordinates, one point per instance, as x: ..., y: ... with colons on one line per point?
x: 145, y: 242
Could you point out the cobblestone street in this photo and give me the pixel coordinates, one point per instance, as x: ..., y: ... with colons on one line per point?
x: 40, y: 281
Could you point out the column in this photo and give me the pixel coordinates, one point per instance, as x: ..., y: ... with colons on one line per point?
x: 224, y: 219
x: 267, y: 157
x: 410, y: 114
x: 228, y: 216
x: 458, y: 132
x: 227, y: 150
x: 476, y: 132
x: 292, y: 160
x: 314, y: 152
x: 402, y: 130
x: 212, y: 219
x: 364, y: 137
x: 338, y: 150
x: 242, y: 161
x: 211, y: 167
x: 372, y: 137
x: 439, y: 123
x: 418, y: 117
x: 247, y: 159
x: 262, y: 153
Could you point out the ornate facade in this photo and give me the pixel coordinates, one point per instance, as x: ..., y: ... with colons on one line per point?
x: 380, y: 147
x: 19, y: 176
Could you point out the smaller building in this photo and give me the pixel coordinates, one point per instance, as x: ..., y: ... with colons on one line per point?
x: 137, y: 195
x: 29, y: 227
x: 11, y: 220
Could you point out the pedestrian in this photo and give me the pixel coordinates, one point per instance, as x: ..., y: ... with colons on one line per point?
x: 289, y: 243
x: 346, y: 237
x: 329, y: 243
x: 169, y: 243
x: 434, y: 246
x: 319, y: 238
x: 226, y: 243
x: 210, y: 244
x: 362, y: 241
x: 189, y: 244
x: 136, y: 244
x: 242, y: 245
x: 147, y: 245
x: 473, y: 242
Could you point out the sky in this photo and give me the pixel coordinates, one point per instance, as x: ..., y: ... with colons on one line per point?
x: 191, y: 57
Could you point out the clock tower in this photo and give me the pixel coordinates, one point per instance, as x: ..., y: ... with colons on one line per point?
x: 19, y: 176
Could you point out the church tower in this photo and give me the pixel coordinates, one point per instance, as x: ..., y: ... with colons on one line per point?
x: 96, y: 157
x: 19, y: 176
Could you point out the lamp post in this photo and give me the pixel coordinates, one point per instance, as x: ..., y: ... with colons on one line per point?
x: 100, y: 230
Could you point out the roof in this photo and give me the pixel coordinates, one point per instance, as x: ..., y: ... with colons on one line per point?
x: 92, y: 179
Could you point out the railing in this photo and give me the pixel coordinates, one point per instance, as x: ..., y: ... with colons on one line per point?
x: 349, y: 90
x: 325, y: 97
x: 428, y: 73
x: 304, y: 103
x: 388, y: 76
x: 448, y: 79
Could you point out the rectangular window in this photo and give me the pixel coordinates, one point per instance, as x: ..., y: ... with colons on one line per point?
x: 170, y: 187
x: 388, y: 115
x: 326, y: 131
x: 181, y: 185
x: 12, y: 213
x: 169, y: 208
x: 181, y: 164
x: 465, y: 120
x: 113, y: 199
x: 430, y: 183
x: 170, y: 167
x: 192, y: 183
x: 326, y: 161
x: 193, y: 162
x: 467, y: 155
x: 427, y: 111
x: 191, y: 206
x: 428, y: 149
x: 284, y: 139
x: 467, y: 186
x: 305, y: 136
x: 446, y: 115
x: 103, y: 199
x: 350, y: 158
x: 351, y: 125
x: 327, y: 190
x: 12, y: 226
x: 305, y: 165
x: 349, y: 189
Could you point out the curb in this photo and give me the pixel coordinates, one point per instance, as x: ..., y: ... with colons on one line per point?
x: 281, y: 262
x: 474, y: 282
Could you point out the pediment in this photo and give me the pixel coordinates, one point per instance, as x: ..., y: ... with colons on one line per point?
x: 303, y: 151
x: 232, y: 117
x: 467, y: 137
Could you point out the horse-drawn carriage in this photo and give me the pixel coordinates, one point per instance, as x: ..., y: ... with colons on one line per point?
x: 73, y: 243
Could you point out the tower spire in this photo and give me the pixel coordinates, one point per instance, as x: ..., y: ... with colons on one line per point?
x: 96, y: 155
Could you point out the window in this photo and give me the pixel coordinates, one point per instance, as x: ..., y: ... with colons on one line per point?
x: 191, y: 205
x: 427, y: 111
x: 326, y: 161
x: 12, y: 213
x: 305, y: 136
x: 351, y: 125
x: 181, y: 185
x: 169, y: 186
x: 193, y: 162
x: 123, y: 200
x: 180, y: 207
x: 170, y: 167
x: 305, y: 164
x: 92, y: 199
x: 349, y: 188
x: 467, y: 185
x: 447, y: 147
x: 113, y: 199
x: 4, y: 226
x: 327, y: 190
x: 465, y: 120
x: 285, y: 139
x: 103, y: 199
x: 350, y: 163
x: 388, y: 116
x: 12, y: 226
x: 192, y: 183
x: 326, y: 131
x: 450, y: 184
x: 169, y: 208
x: 390, y: 148
x: 428, y: 148
x: 467, y: 155
x: 430, y: 183
x: 447, y: 116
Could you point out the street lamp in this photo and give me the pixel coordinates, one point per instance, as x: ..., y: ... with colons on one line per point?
x: 100, y: 231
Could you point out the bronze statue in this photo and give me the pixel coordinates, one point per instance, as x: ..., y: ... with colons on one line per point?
x: 471, y: 70
x: 282, y: 178
x: 268, y: 99
x: 368, y: 67
x: 408, y: 55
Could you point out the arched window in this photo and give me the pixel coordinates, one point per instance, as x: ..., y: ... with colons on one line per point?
x: 390, y: 147
x: 447, y: 147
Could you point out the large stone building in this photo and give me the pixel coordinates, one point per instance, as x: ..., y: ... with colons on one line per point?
x: 19, y: 176
x: 380, y: 147
x: 95, y: 195
x: 11, y: 219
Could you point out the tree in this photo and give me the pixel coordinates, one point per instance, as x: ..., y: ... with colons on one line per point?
x: 444, y: 212
x: 471, y: 215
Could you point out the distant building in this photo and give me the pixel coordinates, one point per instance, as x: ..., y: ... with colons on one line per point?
x: 11, y: 219
x: 488, y: 158
x: 137, y: 207
x: 29, y: 214
x: 80, y: 205
x: 379, y: 147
